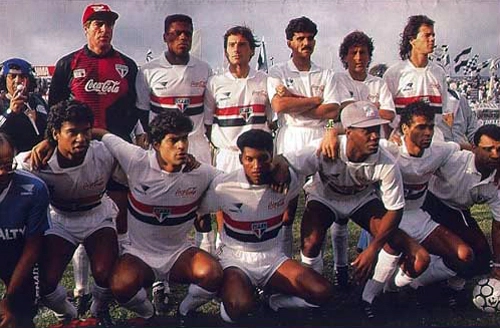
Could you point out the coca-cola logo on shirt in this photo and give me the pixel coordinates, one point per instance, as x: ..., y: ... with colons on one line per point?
x: 108, y: 86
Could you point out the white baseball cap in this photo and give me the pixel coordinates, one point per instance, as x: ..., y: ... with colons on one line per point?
x: 361, y: 114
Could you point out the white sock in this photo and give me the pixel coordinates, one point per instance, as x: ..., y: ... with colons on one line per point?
x: 81, y: 267
x: 217, y: 240
x: 437, y: 271
x: 205, y: 241
x: 224, y: 315
x: 386, y: 264
x: 340, y: 236
x: 123, y: 239
x: 281, y: 301
x: 58, y: 302
x: 456, y: 283
x: 196, y: 297
x: 101, y: 297
x: 316, y: 263
x: 287, y: 239
x: 140, y: 304
x: 401, y: 279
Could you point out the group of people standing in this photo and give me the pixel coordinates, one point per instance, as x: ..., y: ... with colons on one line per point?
x: 113, y: 178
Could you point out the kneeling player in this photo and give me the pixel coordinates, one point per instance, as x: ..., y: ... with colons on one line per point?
x: 250, y: 251
x: 81, y: 212
x: 163, y: 201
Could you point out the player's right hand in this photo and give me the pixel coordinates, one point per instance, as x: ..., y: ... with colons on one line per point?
x: 18, y: 102
x: 40, y: 155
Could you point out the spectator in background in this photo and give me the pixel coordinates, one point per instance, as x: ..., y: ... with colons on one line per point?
x: 24, y: 113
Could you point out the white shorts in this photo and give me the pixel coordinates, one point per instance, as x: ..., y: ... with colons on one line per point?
x: 292, y: 139
x: 258, y: 266
x: 417, y: 224
x: 75, y: 227
x: 227, y: 160
x: 199, y: 147
x: 160, y: 263
x: 343, y: 207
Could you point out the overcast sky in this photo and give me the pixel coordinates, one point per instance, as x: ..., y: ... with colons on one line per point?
x: 41, y: 31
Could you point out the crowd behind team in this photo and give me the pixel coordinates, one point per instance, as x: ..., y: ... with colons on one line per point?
x: 120, y: 165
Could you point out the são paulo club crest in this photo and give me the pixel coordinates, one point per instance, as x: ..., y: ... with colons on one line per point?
x: 182, y: 103
x: 259, y: 228
x: 246, y: 112
x: 122, y: 70
x: 161, y: 213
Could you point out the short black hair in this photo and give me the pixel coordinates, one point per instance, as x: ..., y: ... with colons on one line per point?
x: 489, y: 130
x: 356, y: 38
x: 169, y: 121
x: 417, y: 108
x: 244, y: 31
x: 177, y: 18
x: 257, y: 139
x: 73, y: 111
x: 301, y: 24
x: 410, y: 32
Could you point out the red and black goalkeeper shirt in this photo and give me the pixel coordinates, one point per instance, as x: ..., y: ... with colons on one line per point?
x: 105, y: 83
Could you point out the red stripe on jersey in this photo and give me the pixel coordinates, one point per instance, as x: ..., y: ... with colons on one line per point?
x: 247, y: 226
x: 172, y: 210
x: 403, y: 101
x: 171, y: 100
x: 256, y: 108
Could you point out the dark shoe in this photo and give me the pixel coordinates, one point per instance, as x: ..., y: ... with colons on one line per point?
x: 369, y: 311
x: 82, y: 304
x: 104, y: 319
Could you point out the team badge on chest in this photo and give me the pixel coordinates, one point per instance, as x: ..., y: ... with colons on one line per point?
x: 259, y: 228
x: 161, y: 213
x: 182, y: 103
x: 122, y: 70
x: 246, y: 112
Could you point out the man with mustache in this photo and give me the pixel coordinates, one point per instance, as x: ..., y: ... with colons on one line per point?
x: 176, y: 80
x: 104, y: 79
x: 415, y: 77
x: 304, y: 96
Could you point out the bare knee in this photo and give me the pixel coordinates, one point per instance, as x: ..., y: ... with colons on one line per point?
x: 101, y: 273
x: 124, y: 285
x: 239, y: 307
x: 209, y: 275
x: 465, y: 254
x: 320, y: 291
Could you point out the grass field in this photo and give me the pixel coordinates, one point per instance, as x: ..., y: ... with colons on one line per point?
x: 342, y: 311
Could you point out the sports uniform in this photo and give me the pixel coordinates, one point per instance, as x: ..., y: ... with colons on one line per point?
x: 105, y: 83
x: 252, y: 221
x: 78, y: 203
x: 298, y: 130
x: 23, y: 209
x: 161, y: 85
x: 416, y: 172
x: 408, y: 84
x: 344, y: 186
x: 235, y: 105
x: 161, y: 205
x: 372, y: 89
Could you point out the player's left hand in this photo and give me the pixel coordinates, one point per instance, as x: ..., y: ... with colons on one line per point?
x: 191, y: 164
x: 280, y: 175
x: 40, y: 155
x: 363, y: 265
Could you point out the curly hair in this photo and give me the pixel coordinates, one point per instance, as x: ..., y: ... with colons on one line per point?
x: 6, y: 141
x: 169, y: 121
x: 257, y: 139
x: 417, y: 108
x: 245, y: 32
x: 356, y: 38
x: 73, y: 111
x: 489, y: 130
x: 410, y: 32
x: 301, y: 24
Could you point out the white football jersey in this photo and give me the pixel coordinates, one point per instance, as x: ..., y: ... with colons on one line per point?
x: 341, y: 178
x: 235, y: 105
x: 253, y: 214
x: 161, y: 205
x: 317, y: 82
